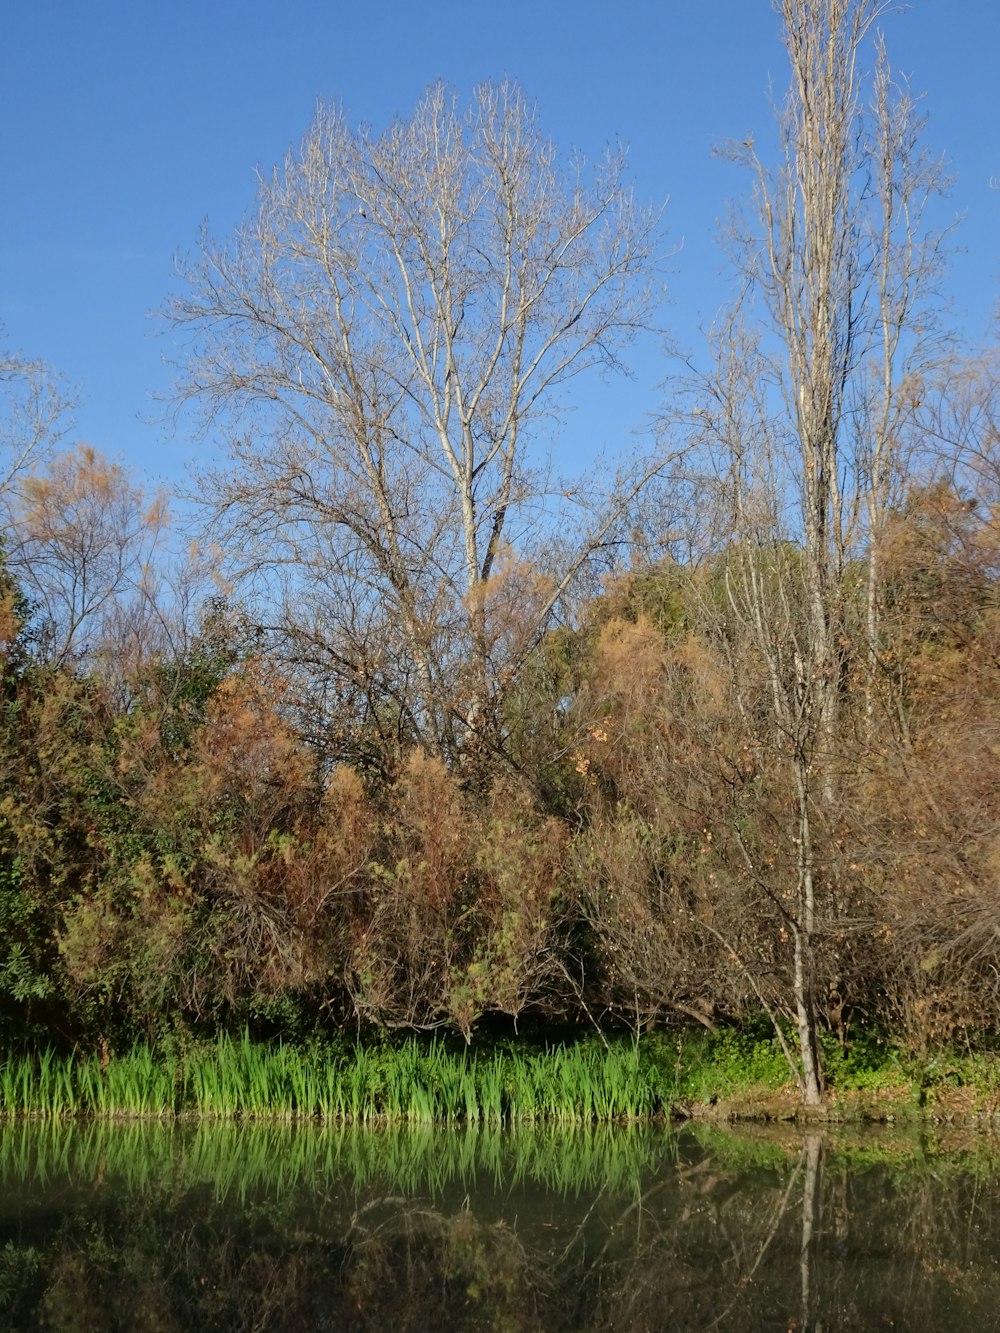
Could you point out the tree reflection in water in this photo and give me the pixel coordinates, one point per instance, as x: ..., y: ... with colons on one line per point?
x: 155, y: 1228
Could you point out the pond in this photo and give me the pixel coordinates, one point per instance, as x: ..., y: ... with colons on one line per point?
x: 222, y: 1226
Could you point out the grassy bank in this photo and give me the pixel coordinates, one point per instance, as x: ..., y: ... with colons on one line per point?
x: 739, y: 1074
x: 731, y: 1074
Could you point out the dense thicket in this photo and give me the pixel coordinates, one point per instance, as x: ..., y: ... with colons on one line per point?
x: 175, y: 856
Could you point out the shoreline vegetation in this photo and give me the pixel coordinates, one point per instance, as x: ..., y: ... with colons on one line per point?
x: 730, y: 1076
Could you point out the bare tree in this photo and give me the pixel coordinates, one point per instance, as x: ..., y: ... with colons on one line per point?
x: 34, y: 413
x: 81, y: 538
x: 380, y: 343
x: 817, y: 378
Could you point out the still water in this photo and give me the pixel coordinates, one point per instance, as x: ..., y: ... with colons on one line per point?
x: 180, y: 1227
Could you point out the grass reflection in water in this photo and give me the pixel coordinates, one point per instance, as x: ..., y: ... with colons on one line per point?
x: 272, y: 1158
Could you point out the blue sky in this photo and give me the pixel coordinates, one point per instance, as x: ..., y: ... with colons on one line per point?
x: 128, y: 122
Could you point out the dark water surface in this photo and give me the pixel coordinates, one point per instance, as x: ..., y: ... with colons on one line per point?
x: 149, y: 1227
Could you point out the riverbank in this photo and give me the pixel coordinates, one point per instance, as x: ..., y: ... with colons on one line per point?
x: 738, y: 1076
x: 903, y: 1104
x: 727, y: 1076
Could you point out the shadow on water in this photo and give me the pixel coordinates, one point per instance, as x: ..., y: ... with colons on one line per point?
x: 221, y: 1226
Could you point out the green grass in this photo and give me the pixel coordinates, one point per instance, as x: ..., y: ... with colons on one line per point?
x: 415, y: 1083
x: 698, y: 1065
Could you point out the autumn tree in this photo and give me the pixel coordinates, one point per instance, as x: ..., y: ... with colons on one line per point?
x: 380, y: 345
x: 934, y: 829
x: 34, y: 414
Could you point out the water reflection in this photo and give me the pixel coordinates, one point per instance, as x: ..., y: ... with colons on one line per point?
x: 243, y: 1227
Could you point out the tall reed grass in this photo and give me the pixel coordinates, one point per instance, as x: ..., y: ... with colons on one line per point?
x: 412, y: 1083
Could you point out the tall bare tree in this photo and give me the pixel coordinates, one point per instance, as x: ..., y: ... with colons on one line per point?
x: 380, y: 343
x: 816, y: 382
